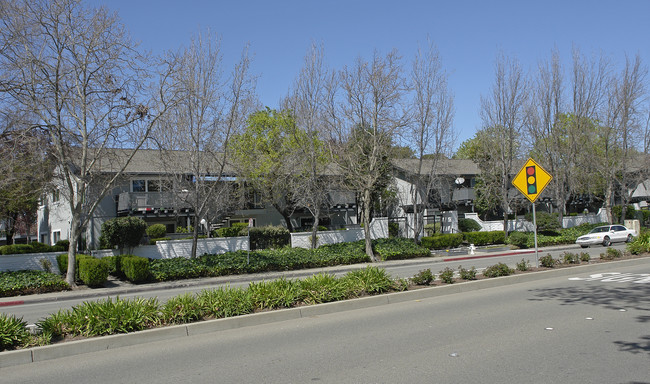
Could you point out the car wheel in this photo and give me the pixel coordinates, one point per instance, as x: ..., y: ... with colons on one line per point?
x: 630, y: 238
x: 606, y: 241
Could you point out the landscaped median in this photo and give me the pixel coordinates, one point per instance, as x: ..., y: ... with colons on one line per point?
x: 373, y: 278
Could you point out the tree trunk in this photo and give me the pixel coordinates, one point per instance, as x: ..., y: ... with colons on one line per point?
x: 285, y: 216
x: 314, y: 230
x: 366, y: 225
x: 195, y: 237
x: 72, y: 250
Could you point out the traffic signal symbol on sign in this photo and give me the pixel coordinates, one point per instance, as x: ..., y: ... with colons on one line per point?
x: 531, y: 180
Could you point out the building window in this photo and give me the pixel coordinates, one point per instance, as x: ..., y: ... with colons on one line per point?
x: 138, y: 186
x: 56, y: 196
x: 56, y: 236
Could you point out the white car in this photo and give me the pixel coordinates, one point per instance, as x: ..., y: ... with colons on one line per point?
x: 606, y: 235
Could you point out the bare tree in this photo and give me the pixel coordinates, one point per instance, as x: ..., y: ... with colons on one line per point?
x: 194, y: 139
x: 430, y: 130
x: 503, y: 113
x: 363, y: 124
x: 308, y: 164
x: 77, y: 71
x: 625, y: 116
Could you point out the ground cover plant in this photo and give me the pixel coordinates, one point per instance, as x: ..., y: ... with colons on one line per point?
x: 29, y: 282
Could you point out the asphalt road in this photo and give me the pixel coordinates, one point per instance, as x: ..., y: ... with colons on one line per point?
x: 32, y: 312
x: 587, y: 328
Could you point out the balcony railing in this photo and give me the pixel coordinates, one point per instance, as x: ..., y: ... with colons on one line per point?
x: 462, y: 194
x: 148, y: 201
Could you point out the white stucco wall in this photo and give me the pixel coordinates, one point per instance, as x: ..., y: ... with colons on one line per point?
x: 378, y: 229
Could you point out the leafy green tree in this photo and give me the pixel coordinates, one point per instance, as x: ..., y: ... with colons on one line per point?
x: 122, y: 232
x: 261, y: 153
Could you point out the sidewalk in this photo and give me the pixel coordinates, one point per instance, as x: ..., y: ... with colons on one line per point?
x: 116, y: 287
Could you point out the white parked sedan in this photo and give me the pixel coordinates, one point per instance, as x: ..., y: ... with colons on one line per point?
x: 606, y: 235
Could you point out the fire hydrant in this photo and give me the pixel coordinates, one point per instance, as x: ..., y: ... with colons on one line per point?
x: 472, y: 248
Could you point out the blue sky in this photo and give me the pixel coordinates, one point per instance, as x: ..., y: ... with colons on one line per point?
x: 468, y: 34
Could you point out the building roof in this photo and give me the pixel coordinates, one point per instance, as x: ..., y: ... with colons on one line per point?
x: 152, y: 161
x: 451, y: 167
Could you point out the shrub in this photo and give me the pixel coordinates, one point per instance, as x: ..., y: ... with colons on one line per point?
x: 523, y: 265
x: 122, y: 232
x: 468, y: 225
x: 467, y: 274
x: 447, y: 275
x: 281, y: 293
x: 115, y: 265
x: 225, y: 302
x: 370, y: 280
x: 135, y: 269
x: 62, y: 262
x: 442, y: 241
x: 399, y: 249
x: 521, y: 239
x: 232, y: 231
x: 156, y: 231
x: 571, y: 258
x: 432, y: 229
x: 269, y: 237
x: 497, y: 270
x: 547, y: 261
x: 424, y: 277
x: 61, y: 246
x: 106, y: 317
x: 585, y: 257
x: 641, y: 244
x: 546, y: 222
x: 485, y: 238
x: 13, y: 332
x: 182, y: 309
x: 322, y: 288
x: 93, y: 272
x: 611, y: 254
x: 393, y: 229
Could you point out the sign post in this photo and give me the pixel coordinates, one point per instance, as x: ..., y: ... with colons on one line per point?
x: 531, y: 181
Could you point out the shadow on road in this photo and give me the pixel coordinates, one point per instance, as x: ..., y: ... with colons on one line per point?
x: 632, y: 296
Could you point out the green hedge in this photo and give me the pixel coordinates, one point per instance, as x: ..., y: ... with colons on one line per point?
x: 442, y: 241
x: 399, y: 249
x: 135, y: 268
x: 269, y: 237
x: 485, y: 238
x: 93, y: 272
x: 62, y: 262
x: 232, y: 231
x: 156, y: 231
x: 564, y: 236
x: 35, y: 247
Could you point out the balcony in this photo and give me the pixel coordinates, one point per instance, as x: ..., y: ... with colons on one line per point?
x: 162, y: 202
x: 464, y: 194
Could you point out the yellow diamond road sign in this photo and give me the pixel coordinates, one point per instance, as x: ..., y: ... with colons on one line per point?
x: 531, y: 180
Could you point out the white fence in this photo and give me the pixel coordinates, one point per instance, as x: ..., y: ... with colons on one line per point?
x: 168, y: 249
x: 522, y: 225
x: 30, y: 261
x: 378, y: 229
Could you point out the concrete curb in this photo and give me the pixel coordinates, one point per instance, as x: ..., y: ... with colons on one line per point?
x: 36, y: 354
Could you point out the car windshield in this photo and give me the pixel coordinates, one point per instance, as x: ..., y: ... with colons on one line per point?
x: 600, y: 229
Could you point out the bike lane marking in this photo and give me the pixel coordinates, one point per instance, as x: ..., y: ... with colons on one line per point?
x: 616, y: 277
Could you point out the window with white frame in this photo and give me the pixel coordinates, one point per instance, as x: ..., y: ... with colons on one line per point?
x: 56, y: 236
